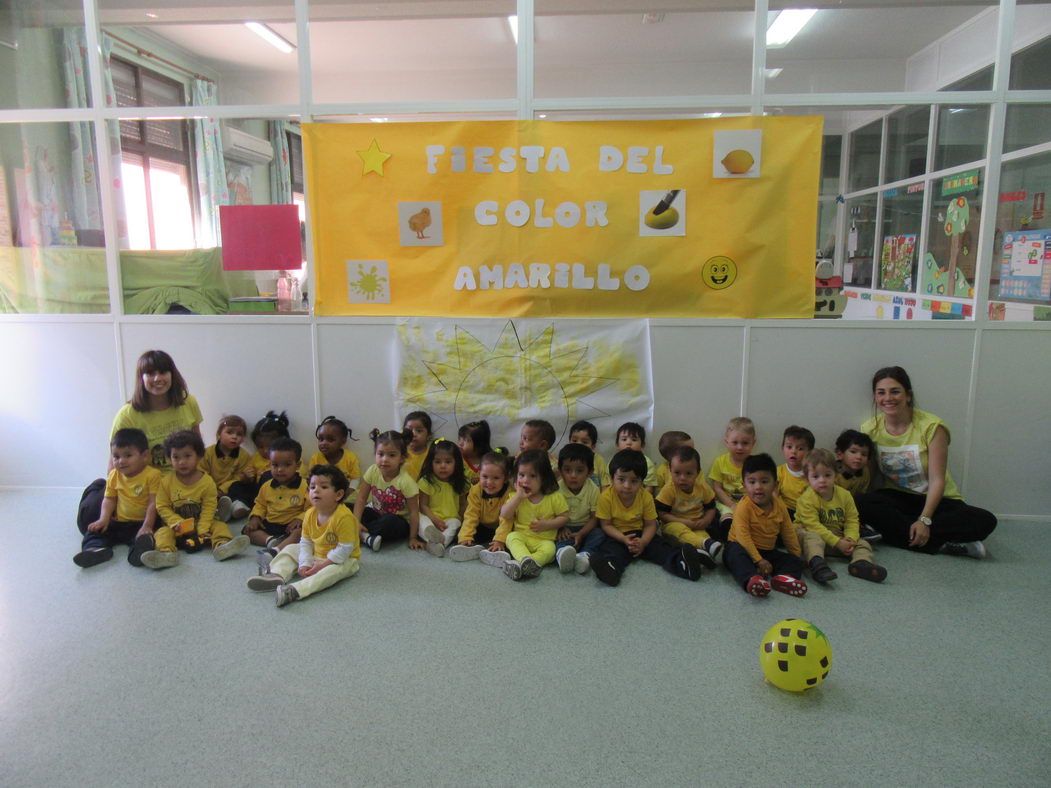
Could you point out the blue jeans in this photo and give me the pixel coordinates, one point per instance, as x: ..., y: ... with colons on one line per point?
x: 592, y: 541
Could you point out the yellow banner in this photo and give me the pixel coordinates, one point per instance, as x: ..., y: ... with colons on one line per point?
x: 684, y: 218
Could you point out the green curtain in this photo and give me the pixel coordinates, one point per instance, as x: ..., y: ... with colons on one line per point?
x: 281, y: 167
x: 212, y: 190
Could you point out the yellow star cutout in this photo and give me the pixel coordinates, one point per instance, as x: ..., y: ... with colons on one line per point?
x: 373, y: 158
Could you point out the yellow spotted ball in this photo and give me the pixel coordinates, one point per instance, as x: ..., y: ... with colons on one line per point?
x: 795, y: 655
x: 738, y: 161
x: 661, y: 221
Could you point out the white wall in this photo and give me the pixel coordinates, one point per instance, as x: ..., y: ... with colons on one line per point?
x: 61, y: 386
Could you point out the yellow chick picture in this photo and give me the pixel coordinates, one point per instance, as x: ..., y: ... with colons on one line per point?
x: 419, y: 222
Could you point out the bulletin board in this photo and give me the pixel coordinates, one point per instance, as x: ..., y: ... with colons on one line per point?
x: 1025, y: 265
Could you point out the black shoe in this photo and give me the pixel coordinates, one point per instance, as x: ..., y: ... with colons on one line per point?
x: 867, y: 570
x: 707, y: 559
x: 605, y: 570
x: 688, y: 565
x: 96, y: 555
x: 821, y: 571
x: 870, y: 534
x: 143, y: 543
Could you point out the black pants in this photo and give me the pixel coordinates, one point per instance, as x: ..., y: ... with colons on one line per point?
x: 719, y: 530
x: 742, y: 567
x: 116, y: 533
x: 483, y: 534
x: 656, y: 552
x: 90, y: 504
x: 892, y: 513
x: 392, y: 527
x: 243, y: 491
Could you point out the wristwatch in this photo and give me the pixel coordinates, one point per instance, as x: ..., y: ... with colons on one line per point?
x: 925, y: 520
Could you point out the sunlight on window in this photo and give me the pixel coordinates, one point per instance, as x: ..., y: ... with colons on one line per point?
x: 135, y: 210
x: 170, y: 189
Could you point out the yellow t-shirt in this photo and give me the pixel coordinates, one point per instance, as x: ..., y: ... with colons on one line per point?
x: 414, y: 464
x: 158, y: 425
x: 482, y: 510
x: 663, y: 475
x: 757, y: 530
x: 790, y: 486
x: 581, y: 504
x: 225, y: 469
x: 471, y: 472
x: 626, y: 518
x: 261, y: 463
x: 341, y: 528
x: 903, y: 458
x: 691, y: 504
x: 132, y: 493
x: 280, y: 503
x: 348, y: 463
x: 550, y: 506
x: 855, y: 485
x: 728, y: 475
x: 444, y: 501
x: 831, y: 520
x: 177, y: 501
x: 600, y: 476
x: 391, y: 497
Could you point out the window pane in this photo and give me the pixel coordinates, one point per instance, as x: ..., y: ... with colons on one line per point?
x: 170, y: 196
x: 42, y: 55
x: 831, y: 153
x: 1027, y: 124
x: 1029, y: 64
x: 902, y: 218
x: 136, y: 210
x: 956, y: 207
x: 861, y: 238
x: 907, y: 143
x: 864, y: 156
x: 962, y: 135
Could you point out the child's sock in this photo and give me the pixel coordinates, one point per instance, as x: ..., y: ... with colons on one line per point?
x: 821, y: 571
x: 787, y: 584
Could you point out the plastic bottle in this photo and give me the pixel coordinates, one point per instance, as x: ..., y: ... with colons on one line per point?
x: 297, y: 295
x: 284, y: 292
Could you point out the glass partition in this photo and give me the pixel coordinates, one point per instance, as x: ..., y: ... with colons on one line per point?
x: 864, y: 165
x: 900, y: 238
x: 949, y: 261
x: 42, y: 48
x: 861, y: 240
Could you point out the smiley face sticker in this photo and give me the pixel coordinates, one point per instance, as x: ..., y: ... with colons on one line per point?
x: 719, y: 272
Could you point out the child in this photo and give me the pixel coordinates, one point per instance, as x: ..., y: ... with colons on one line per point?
x: 480, y: 536
x: 392, y: 496
x: 579, y: 537
x: 265, y: 432
x: 584, y: 432
x: 791, y: 479
x: 328, y: 551
x: 189, y: 494
x: 828, y: 520
x: 759, y: 518
x: 668, y: 443
x: 418, y: 426
x: 854, y: 451
x: 725, y: 473
x: 628, y: 517
x: 332, y: 435
x: 277, y: 516
x: 475, y: 441
x: 686, y: 505
x: 537, y: 510
x: 129, y: 504
x: 538, y: 435
x: 633, y: 436
x: 225, y: 462
x: 443, y: 496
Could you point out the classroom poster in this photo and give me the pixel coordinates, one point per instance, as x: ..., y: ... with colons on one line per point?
x: 698, y: 218
x: 896, y: 262
x: 509, y: 371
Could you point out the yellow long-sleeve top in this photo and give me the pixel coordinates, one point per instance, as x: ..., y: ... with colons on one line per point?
x: 790, y: 486
x: 337, y: 539
x: 757, y: 530
x: 484, y: 510
x: 348, y: 463
x: 281, y: 503
x: 551, y: 506
x: 831, y: 520
x: 260, y: 462
x: 177, y: 501
x: 132, y: 493
x: 857, y: 483
x: 225, y: 469
x: 626, y: 518
x: 414, y: 464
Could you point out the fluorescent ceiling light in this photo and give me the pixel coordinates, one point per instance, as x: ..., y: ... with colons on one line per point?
x: 512, y: 22
x: 786, y: 25
x: 773, y: 73
x: 712, y: 115
x: 379, y: 120
x: 272, y: 38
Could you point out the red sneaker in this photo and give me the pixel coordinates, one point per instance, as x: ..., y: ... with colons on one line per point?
x: 757, y: 586
x: 787, y: 584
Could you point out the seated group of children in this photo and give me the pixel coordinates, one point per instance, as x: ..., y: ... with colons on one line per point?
x: 465, y: 500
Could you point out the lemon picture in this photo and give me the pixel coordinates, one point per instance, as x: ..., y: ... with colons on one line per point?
x: 738, y: 161
x: 661, y: 221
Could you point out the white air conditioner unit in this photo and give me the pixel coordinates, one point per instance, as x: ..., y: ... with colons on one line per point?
x: 243, y: 147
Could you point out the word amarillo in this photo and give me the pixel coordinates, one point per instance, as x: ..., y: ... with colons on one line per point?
x: 542, y: 276
x: 610, y: 159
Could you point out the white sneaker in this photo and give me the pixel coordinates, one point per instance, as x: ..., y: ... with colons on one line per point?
x: 583, y: 563
x: 267, y: 582
x: 435, y: 548
x: 566, y: 558
x: 430, y: 533
x: 157, y: 559
x: 374, y: 541
x: 284, y: 594
x: 530, y: 568
x: 235, y: 546
x: 495, y: 558
x: 465, y: 552
x: 238, y: 510
x: 513, y: 569
x: 224, y: 508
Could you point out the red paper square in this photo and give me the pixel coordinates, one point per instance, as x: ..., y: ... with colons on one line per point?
x: 260, y: 237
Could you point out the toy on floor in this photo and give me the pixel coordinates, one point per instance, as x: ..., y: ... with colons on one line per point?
x: 795, y: 655
x: 186, y: 536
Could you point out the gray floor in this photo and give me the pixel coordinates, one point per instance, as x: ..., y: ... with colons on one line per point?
x: 423, y: 672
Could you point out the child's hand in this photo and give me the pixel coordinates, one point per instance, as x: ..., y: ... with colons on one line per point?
x: 467, y: 542
x: 578, y: 540
x: 634, y: 545
x: 415, y: 544
x: 539, y: 525
x: 248, y: 474
x: 307, y: 571
x: 564, y: 533
x: 494, y: 546
x: 254, y: 524
x: 439, y: 523
x: 846, y: 546
x: 145, y: 530
x: 764, y: 567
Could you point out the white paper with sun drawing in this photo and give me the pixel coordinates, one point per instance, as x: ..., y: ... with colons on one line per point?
x: 510, y: 371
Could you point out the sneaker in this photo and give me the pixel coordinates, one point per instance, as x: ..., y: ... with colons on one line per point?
x: 870, y: 534
x: 707, y: 559
x: 713, y: 547
x: 605, y: 570
x: 158, y: 559
x: 224, y: 509
x: 465, y: 552
x: 374, y: 541
x: 968, y: 549
x: 513, y: 569
x: 273, y: 542
x: 566, y: 558
x: 92, y: 557
x: 786, y: 584
x: 267, y: 582
x: 285, y: 594
x: 758, y: 586
x: 530, y: 568
x: 235, y: 546
x: 689, y: 562
x: 238, y: 509
x: 867, y: 570
x: 434, y: 548
x: 430, y: 533
x: 495, y: 558
x: 821, y: 571
x: 143, y: 543
x: 583, y: 563
x: 262, y: 560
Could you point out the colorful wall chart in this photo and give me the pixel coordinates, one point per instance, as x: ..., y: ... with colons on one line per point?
x: 1025, y: 265
x: 701, y: 218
